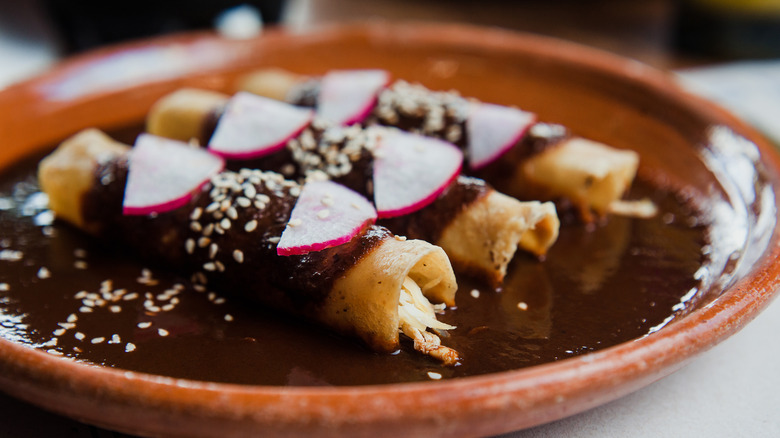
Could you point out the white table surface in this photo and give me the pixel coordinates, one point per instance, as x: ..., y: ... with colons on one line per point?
x: 733, y: 390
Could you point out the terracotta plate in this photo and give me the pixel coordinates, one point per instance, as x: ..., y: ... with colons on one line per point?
x: 692, y: 143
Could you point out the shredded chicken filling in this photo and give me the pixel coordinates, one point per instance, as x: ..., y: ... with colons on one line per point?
x: 417, y: 315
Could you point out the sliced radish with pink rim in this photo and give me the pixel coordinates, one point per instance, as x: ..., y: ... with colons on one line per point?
x: 253, y: 126
x: 326, y: 214
x: 411, y: 171
x: 348, y: 96
x: 493, y: 130
x: 163, y: 174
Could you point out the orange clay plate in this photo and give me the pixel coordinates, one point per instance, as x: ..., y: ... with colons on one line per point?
x: 712, y: 163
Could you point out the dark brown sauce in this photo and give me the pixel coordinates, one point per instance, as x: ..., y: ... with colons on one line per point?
x: 597, y: 288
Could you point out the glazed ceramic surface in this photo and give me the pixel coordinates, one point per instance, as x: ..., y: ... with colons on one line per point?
x: 685, y: 143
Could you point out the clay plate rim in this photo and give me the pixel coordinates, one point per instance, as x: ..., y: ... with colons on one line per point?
x: 490, y: 404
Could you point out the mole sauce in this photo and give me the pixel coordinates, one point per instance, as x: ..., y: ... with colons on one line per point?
x: 598, y: 287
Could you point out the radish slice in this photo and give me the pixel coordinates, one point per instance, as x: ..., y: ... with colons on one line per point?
x: 162, y: 174
x: 411, y: 171
x: 253, y: 126
x: 326, y: 214
x: 493, y: 130
x: 347, y: 96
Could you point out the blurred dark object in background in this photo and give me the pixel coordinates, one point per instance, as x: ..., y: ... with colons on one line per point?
x: 84, y: 24
x: 729, y: 29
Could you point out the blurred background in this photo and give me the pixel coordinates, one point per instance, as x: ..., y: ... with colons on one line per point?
x: 681, y: 35
x: 664, y: 33
x: 727, y: 50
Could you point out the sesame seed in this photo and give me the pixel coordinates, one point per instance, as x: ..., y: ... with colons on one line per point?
x: 168, y: 307
x: 196, y: 227
x: 220, y: 266
x: 199, y: 278
x: 44, y: 273
x: 195, y: 215
x: 475, y: 293
x: 80, y: 253
x: 129, y: 347
x: 232, y: 213
x: 114, y: 339
x: 294, y: 223
x: 189, y: 245
x: 243, y: 202
x: 66, y: 325
x: 400, y: 238
x: 59, y: 332
x: 208, y: 230
x: 72, y: 317
x: 219, y: 300
x: 80, y: 264
x: 238, y: 256
x: 204, y: 242
x: 434, y: 376
x: 4, y: 287
x: 144, y: 325
x: 209, y: 266
x: 80, y: 294
x: 115, y: 309
x: 522, y: 305
x: 323, y: 214
x: 225, y: 224
x: 224, y: 205
x: 211, y: 208
x: 130, y: 296
x: 274, y: 239
x: 85, y: 309
x: 162, y: 332
x: 11, y: 255
x: 80, y: 336
x: 54, y: 352
x: 213, y: 249
x: 250, y: 226
x: 98, y: 340
x: 228, y: 317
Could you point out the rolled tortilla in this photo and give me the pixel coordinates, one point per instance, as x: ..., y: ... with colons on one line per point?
x: 590, y: 175
x: 363, y: 288
x: 478, y: 228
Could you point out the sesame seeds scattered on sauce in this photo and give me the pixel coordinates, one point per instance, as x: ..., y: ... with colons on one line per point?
x: 332, y: 150
x: 107, y: 298
x: 441, y: 114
